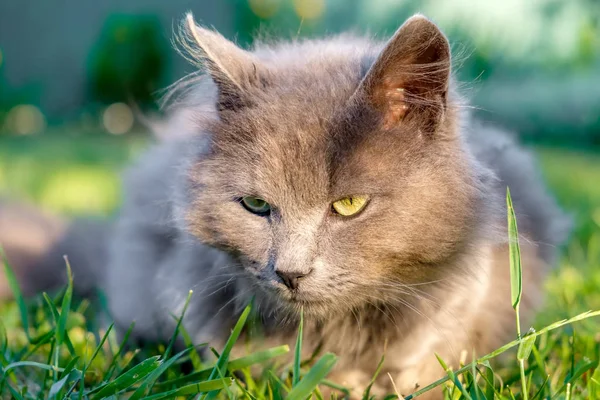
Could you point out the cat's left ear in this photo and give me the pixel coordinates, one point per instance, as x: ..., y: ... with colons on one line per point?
x: 234, y: 71
x: 410, y: 78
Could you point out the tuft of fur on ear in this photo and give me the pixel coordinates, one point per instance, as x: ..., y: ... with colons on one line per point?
x: 233, y: 70
x: 410, y: 78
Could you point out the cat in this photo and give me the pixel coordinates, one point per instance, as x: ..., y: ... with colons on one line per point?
x: 343, y: 177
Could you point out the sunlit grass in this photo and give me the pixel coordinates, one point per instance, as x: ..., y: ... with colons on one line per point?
x: 73, y: 175
x: 573, y: 177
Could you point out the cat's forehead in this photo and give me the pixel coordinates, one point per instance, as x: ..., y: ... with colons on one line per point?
x: 295, y: 116
x: 286, y: 155
x: 308, y: 155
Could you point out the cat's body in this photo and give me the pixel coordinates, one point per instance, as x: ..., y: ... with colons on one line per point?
x: 422, y: 269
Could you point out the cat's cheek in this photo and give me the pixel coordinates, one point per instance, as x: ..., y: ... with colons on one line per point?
x: 228, y: 226
x: 330, y: 278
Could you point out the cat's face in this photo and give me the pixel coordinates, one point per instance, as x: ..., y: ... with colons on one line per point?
x: 330, y: 196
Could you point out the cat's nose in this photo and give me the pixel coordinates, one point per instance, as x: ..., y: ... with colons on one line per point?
x: 291, y: 278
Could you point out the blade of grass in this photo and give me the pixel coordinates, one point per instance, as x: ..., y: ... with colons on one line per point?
x: 249, y: 383
x: 336, y: 386
x: 539, y: 361
x: 523, y: 352
x: 474, y: 387
x: 65, y: 307
x: 298, y: 351
x: 189, y: 343
x: 244, y: 391
x: 4, y: 375
x: 452, y: 377
x: 49, y: 361
x: 525, y: 347
x: 39, y: 342
x: 313, y: 377
x: 20, y: 364
x: 580, y: 369
x: 15, y: 394
x: 60, y: 384
x: 128, y: 379
x: 257, y: 358
x: 274, y: 387
x: 488, y: 377
x: 70, y: 366
x: 506, y: 347
x: 67, y: 395
x: 235, y: 333
x: 593, y: 385
x: 279, y: 382
x: 226, y: 385
x: 201, y: 387
x: 514, y: 250
x: 97, y: 350
x: 145, y: 387
x: 3, y: 337
x: 176, y: 331
x: 233, y: 365
x: 13, y: 284
x: 55, y: 348
x: 113, y: 363
x: 516, y: 284
x: 56, y: 318
x: 541, y: 389
x: 375, y: 375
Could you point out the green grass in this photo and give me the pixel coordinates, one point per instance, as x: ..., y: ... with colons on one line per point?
x: 51, y: 347
x: 70, y: 175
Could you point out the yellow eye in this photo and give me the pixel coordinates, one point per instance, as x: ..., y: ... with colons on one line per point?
x: 349, y: 206
x: 256, y: 205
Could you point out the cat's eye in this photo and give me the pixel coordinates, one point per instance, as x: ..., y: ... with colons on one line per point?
x: 349, y: 206
x: 256, y: 205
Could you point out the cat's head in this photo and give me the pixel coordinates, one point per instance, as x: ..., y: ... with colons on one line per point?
x: 335, y: 172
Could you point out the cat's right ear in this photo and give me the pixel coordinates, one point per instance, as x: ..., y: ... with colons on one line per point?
x: 234, y: 71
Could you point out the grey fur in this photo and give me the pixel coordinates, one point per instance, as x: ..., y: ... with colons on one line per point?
x: 303, y: 124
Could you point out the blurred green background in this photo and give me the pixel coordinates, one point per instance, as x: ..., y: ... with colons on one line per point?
x: 73, y: 72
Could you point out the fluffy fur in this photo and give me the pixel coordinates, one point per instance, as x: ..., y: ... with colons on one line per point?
x: 423, y: 269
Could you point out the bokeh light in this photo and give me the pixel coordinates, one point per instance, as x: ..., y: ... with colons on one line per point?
x: 81, y: 189
x: 264, y: 8
x: 25, y: 119
x: 309, y: 9
x: 118, y: 118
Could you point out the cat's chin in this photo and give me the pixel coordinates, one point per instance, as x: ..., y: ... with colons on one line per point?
x: 318, y: 309
x: 311, y: 309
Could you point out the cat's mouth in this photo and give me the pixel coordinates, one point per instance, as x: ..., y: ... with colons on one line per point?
x: 296, y: 301
x: 296, y: 297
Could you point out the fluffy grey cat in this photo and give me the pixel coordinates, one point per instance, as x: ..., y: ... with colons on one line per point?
x: 341, y: 176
